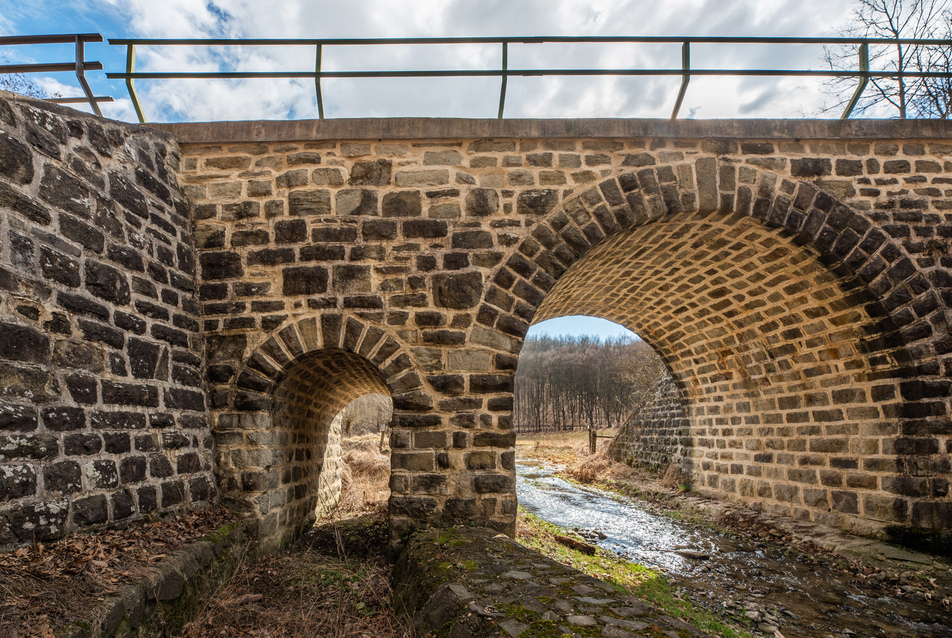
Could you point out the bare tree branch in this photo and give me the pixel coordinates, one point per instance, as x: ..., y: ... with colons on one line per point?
x: 19, y: 82
x: 911, y: 97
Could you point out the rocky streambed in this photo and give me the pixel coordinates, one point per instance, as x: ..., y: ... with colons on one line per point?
x: 758, y: 574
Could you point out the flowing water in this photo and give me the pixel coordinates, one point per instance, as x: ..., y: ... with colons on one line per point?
x: 805, y: 600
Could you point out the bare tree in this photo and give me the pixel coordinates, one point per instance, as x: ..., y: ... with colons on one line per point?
x: 19, y: 82
x: 911, y: 97
x: 572, y: 382
x: 934, y: 99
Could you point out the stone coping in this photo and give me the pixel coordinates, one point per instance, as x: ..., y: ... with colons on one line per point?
x: 472, y: 582
x: 452, y: 129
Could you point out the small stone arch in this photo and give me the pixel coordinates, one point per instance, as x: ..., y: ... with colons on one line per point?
x: 860, y: 452
x: 277, y: 438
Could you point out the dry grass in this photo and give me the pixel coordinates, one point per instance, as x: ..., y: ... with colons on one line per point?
x: 365, y: 475
x: 334, y: 581
x: 558, y: 448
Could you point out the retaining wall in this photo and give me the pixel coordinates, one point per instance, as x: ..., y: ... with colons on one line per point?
x: 102, y: 402
x: 652, y: 435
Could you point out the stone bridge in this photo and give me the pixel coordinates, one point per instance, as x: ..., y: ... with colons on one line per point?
x: 237, y: 284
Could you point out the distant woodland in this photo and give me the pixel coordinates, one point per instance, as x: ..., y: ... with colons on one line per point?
x: 565, y: 383
x: 562, y: 383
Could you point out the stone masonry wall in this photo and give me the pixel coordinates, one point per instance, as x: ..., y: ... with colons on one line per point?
x: 651, y: 437
x: 102, y: 406
x: 793, y: 276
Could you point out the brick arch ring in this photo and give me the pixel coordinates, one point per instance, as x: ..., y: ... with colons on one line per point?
x: 278, y: 441
x: 804, y: 342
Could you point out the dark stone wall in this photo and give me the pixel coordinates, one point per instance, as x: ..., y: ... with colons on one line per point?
x: 651, y: 437
x: 102, y: 405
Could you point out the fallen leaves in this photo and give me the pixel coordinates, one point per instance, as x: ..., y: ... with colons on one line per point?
x: 48, y: 586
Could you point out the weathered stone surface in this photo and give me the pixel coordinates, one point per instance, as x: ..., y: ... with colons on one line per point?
x: 107, y: 283
x: 482, y: 202
x: 373, y: 173
x: 537, y: 202
x: 487, y: 571
x: 457, y: 291
x: 304, y: 280
x: 22, y: 343
x: 16, y: 160
x: 309, y: 203
x: 403, y: 204
x: 224, y: 265
x: 97, y: 249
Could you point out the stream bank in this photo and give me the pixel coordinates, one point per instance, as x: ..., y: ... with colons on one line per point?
x: 788, y: 577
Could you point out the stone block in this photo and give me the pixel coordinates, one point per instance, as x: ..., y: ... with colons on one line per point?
x: 304, y: 280
x: 16, y: 481
x: 457, y: 291
x: 16, y: 160
x: 64, y: 476
x: 23, y: 343
x: 309, y: 203
x: 371, y: 173
x: 493, y: 483
x: 221, y: 265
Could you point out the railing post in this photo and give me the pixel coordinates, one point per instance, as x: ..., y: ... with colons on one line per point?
x: 685, y: 77
x: 131, y: 68
x: 863, y: 80
x: 81, y: 74
x: 505, y: 78
x: 317, y: 81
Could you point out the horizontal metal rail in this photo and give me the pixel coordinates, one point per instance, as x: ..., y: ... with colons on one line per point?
x: 244, y: 75
x: 686, y: 72
x: 567, y: 39
x: 79, y: 65
x: 54, y: 38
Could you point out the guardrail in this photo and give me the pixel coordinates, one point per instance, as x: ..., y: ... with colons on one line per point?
x: 79, y: 65
x: 686, y: 71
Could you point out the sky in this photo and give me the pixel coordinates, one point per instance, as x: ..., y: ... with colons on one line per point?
x: 203, y: 100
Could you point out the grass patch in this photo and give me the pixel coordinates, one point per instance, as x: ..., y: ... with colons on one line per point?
x: 624, y: 576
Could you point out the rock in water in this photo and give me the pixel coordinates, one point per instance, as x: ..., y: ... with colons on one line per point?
x: 687, y: 553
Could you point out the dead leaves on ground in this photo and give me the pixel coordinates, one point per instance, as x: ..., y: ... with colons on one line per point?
x: 47, y: 586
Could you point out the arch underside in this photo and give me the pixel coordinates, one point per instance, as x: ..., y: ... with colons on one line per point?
x: 783, y: 395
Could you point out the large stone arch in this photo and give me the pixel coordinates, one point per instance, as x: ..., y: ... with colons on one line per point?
x: 816, y: 388
x: 277, y: 438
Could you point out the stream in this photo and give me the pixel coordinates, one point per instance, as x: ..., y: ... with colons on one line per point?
x: 802, y: 600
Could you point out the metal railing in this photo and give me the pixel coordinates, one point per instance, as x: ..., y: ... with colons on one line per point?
x: 79, y: 65
x: 686, y: 71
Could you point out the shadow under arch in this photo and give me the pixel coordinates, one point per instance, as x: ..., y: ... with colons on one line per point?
x: 278, y: 435
x: 803, y: 340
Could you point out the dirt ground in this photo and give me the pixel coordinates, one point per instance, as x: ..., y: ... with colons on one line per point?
x: 333, y: 581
